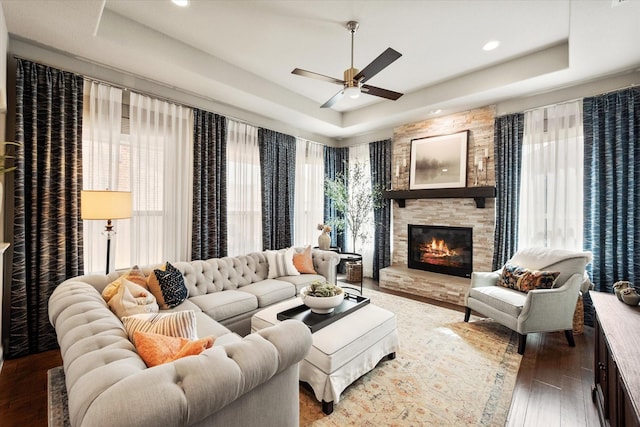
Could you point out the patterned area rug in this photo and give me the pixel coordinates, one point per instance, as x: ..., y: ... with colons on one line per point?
x: 447, y: 373
x: 57, y: 398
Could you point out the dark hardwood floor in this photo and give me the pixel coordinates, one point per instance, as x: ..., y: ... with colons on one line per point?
x: 553, y: 387
x: 23, y: 389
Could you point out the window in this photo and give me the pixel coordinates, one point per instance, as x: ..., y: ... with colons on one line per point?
x: 551, y: 212
x: 309, y: 193
x: 244, y: 200
x: 135, y: 143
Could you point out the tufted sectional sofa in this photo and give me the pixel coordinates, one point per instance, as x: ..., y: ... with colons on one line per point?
x: 240, y: 381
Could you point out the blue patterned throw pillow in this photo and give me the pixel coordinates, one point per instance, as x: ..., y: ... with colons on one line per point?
x: 524, y: 280
x: 168, y: 286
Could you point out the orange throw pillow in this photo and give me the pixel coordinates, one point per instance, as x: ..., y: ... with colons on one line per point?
x: 156, y: 349
x: 304, y: 262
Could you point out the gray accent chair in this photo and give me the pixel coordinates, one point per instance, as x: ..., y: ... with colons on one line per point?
x: 539, y: 310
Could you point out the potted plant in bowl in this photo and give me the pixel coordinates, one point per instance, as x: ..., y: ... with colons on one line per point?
x: 322, y: 297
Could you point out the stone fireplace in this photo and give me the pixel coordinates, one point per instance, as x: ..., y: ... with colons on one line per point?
x: 461, y: 212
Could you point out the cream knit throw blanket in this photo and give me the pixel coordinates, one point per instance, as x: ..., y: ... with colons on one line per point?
x: 539, y: 258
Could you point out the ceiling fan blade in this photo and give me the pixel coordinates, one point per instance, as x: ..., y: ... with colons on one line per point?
x: 335, y: 98
x: 313, y: 75
x: 377, y: 65
x: 382, y: 93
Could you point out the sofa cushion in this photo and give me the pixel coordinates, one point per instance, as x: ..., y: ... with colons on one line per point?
x: 179, y: 324
x: 203, y: 277
x: 503, y: 299
x: 525, y: 280
x: 270, y: 291
x: 567, y: 268
x: 303, y: 261
x: 156, y: 349
x: 281, y: 263
x: 135, y: 275
x: 302, y: 280
x: 223, y: 305
x: 206, y: 326
x: 167, y: 285
x: 186, y: 305
x: 132, y: 299
x: 244, y: 269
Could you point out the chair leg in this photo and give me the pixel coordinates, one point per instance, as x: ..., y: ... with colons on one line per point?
x: 569, y: 334
x: 467, y: 314
x: 522, y: 343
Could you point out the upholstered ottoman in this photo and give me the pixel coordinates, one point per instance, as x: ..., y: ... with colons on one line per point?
x: 342, y: 351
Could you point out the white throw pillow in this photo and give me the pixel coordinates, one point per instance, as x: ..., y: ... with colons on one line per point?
x: 281, y: 263
x: 181, y: 324
x: 132, y: 299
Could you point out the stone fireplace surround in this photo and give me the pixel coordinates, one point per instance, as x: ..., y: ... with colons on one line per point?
x: 456, y: 212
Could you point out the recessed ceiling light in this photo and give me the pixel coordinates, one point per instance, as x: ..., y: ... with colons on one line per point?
x: 181, y: 3
x: 491, y: 45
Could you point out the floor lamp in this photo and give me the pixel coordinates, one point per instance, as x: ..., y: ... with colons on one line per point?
x: 105, y: 205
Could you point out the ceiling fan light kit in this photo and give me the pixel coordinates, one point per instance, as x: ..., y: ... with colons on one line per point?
x: 353, y: 82
x: 352, y: 92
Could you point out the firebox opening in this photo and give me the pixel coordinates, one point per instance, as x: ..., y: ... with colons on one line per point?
x: 441, y: 249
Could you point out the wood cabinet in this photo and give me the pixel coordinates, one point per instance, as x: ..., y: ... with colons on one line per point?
x: 616, y: 390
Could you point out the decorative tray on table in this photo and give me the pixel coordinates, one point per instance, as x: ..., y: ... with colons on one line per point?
x: 314, y: 321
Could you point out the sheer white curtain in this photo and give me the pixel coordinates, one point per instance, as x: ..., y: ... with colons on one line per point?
x: 134, y: 143
x: 551, y: 212
x: 360, y: 154
x: 244, y: 200
x: 309, y: 193
x: 101, y: 140
x: 161, y: 170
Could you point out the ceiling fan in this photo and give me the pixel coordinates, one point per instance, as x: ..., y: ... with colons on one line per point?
x: 353, y: 83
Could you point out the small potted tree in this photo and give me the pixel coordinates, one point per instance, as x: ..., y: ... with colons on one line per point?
x: 354, y: 199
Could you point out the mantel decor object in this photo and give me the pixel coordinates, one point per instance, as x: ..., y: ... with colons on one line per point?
x: 439, y: 162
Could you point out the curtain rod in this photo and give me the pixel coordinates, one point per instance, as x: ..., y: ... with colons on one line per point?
x: 159, y: 97
x: 553, y: 105
x: 581, y: 98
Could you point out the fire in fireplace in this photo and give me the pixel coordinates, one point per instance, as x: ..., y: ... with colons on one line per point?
x: 441, y: 249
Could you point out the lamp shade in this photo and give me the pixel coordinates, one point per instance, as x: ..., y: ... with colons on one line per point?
x: 105, y: 204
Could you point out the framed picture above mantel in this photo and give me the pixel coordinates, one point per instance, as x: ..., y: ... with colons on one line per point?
x: 439, y: 161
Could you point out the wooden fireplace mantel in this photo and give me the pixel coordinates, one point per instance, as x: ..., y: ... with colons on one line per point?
x: 479, y: 194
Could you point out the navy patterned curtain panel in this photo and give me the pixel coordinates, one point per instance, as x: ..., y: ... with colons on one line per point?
x: 278, y: 174
x: 47, y: 227
x: 508, y: 133
x: 209, y: 236
x: 612, y: 186
x: 335, y: 160
x: 380, y: 159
